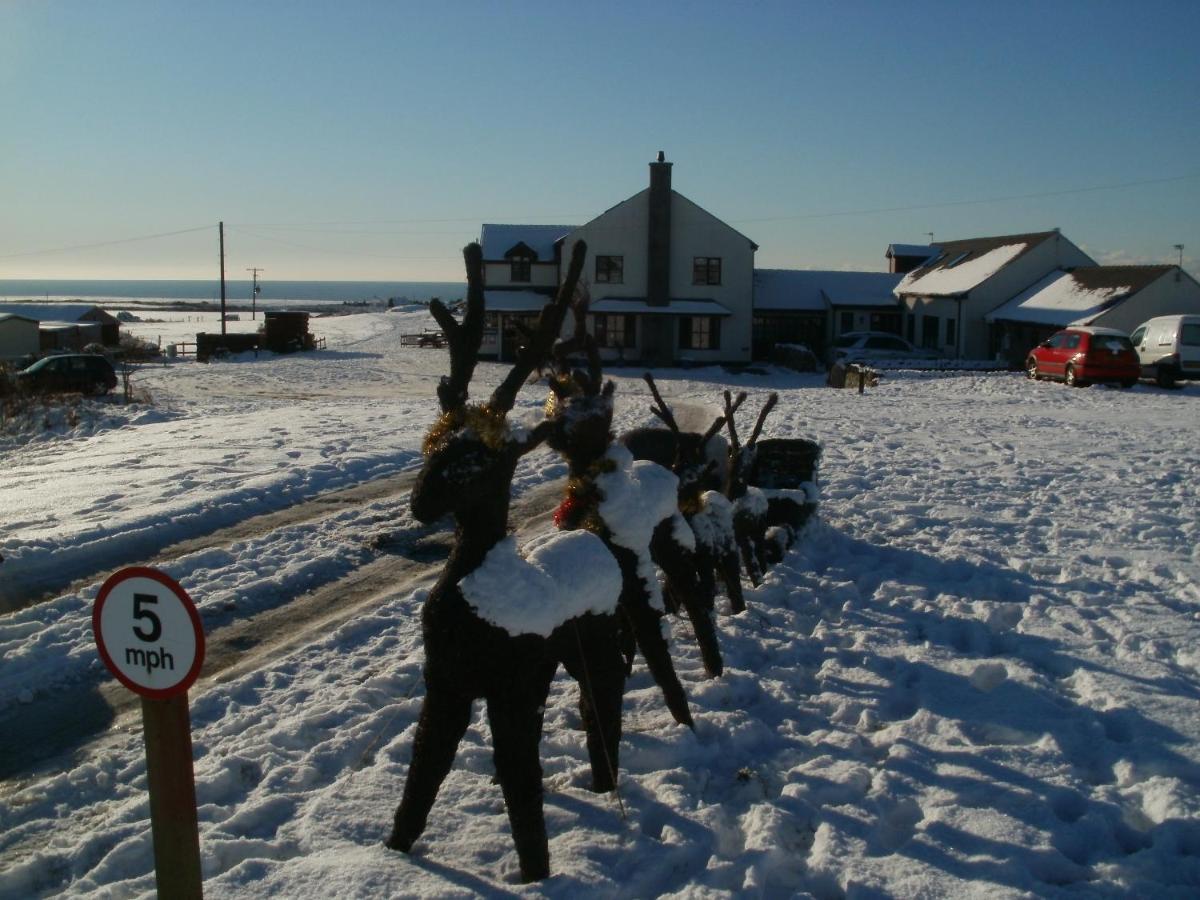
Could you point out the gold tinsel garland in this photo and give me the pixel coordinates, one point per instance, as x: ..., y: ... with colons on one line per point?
x: 488, y: 424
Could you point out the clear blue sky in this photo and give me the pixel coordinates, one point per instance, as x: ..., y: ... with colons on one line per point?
x: 408, y: 124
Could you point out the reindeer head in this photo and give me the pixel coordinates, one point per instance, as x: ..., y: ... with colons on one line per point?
x: 693, y: 463
x: 471, y: 452
x: 580, y: 405
x: 740, y: 456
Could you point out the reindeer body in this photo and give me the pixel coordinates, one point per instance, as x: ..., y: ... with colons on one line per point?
x: 476, y: 648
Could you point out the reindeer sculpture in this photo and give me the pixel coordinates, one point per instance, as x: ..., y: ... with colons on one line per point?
x: 749, y: 503
x: 492, y: 621
x: 634, y: 509
x: 706, y: 509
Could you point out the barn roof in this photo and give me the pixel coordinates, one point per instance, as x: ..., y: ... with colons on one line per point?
x: 812, y: 290
x: 57, y: 312
x: 960, y: 266
x: 1076, y: 296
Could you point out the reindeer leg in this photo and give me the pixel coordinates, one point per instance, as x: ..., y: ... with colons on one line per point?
x: 592, y: 657
x: 647, y: 629
x: 731, y: 574
x: 515, y: 713
x: 742, y: 531
x: 445, y: 715
x: 680, y: 567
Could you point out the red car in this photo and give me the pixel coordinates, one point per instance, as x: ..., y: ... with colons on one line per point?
x: 1085, y: 354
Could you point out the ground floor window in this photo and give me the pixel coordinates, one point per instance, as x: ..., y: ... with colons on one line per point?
x: 613, y: 330
x: 911, y: 327
x: 950, y: 332
x: 847, y: 322
x: 930, y: 326
x: 790, y: 328
x: 699, y: 332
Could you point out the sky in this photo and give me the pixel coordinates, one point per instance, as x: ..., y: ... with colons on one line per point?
x: 370, y: 140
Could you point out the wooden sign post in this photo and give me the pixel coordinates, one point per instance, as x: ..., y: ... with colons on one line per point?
x: 150, y: 636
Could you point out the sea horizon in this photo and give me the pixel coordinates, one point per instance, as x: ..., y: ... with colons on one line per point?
x: 236, y: 291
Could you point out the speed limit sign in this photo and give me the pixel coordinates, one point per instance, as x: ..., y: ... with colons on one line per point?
x: 148, y: 632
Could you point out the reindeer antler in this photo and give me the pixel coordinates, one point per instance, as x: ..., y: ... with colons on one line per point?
x: 463, y: 340
x: 662, y: 411
x: 731, y: 406
x: 590, y: 382
x: 762, y: 417
x: 537, y: 347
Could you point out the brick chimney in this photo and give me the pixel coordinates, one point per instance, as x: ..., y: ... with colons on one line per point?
x: 658, y: 259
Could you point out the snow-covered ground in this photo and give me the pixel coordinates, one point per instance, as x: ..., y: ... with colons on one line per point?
x: 978, y: 674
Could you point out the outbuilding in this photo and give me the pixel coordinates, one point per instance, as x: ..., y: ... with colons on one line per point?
x: 108, y: 331
x: 18, y: 337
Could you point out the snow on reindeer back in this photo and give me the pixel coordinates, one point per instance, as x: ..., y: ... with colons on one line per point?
x: 638, y: 494
x: 564, y: 574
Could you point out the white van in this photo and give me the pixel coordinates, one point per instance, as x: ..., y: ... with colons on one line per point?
x: 1169, y: 348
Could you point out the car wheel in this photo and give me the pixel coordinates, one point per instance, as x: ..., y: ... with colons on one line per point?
x: 1072, y: 380
x: 99, y: 389
x: 1164, y: 376
x: 1031, y: 369
x: 1128, y: 383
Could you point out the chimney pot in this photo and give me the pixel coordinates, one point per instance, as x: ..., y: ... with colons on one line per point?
x: 662, y: 157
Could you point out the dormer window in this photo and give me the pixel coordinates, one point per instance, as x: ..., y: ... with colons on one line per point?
x: 610, y: 269
x: 521, y: 268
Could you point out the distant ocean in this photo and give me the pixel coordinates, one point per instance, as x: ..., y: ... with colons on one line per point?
x: 237, y: 293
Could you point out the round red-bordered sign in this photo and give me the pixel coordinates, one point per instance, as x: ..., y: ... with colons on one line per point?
x: 148, y: 632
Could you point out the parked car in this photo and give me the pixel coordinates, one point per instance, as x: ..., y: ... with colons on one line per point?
x: 864, y: 346
x: 88, y: 373
x: 1085, y: 354
x: 1168, y: 348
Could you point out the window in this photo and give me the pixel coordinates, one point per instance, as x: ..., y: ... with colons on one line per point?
x: 521, y: 268
x: 882, y: 342
x: 1136, y: 337
x: 1189, y: 335
x: 911, y: 327
x: 706, y: 270
x: 610, y: 270
x: 699, y: 332
x: 847, y: 322
x: 950, y: 332
x: 613, y: 330
x: 930, y: 326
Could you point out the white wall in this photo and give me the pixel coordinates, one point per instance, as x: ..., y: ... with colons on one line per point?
x: 498, y: 274
x: 1165, y: 296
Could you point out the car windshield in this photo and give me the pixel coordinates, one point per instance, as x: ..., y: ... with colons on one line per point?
x: 41, y: 364
x: 847, y: 340
x: 1114, y: 342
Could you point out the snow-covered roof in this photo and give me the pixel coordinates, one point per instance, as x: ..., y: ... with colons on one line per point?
x: 924, y: 251
x: 639, y: 306
x: 514, y: 301
x: 1076, y: 297
x: 497, y: 240
x: 58, y: 312
x: 961, y: 266
x: 5, y: 316
x: 802, y: 290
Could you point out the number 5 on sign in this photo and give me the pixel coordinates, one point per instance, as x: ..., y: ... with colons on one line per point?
x: 150, y: 636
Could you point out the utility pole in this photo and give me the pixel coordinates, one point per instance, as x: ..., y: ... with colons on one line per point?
x: 1179, y: 247
x: 930, y: 233
x: 254, y: 290
x: 221, y: 230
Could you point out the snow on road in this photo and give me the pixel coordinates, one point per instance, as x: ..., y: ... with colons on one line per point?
x: 977, y: 675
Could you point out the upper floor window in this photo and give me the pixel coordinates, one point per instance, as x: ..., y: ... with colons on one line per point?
x: 706, y: 270
x: 699, y: 333
x: 610, y: 270
x: 612, y: 330
x: 521, y: 268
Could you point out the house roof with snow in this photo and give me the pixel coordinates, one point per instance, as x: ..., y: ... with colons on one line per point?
x: 813, y: 290
x: 960, y: 266
x: 58, y: 312
x: 1077, y: 296
x: 6, y: 316
x: 498, y: 240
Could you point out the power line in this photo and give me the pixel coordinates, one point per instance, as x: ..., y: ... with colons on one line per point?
x: 132, y: 240
x: 888, y: 209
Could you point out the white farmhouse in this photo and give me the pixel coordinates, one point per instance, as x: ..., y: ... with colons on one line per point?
x: 670, y: 282
x: 946, y: 300
x: 1120, y: 297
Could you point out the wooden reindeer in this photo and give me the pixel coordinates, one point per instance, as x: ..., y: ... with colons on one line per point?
x: 706, y: 509
x: 749, y: 503
x: 471, y: 650
x: 633, y: 509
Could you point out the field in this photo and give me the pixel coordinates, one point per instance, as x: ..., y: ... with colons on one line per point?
x: 977, y: 674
